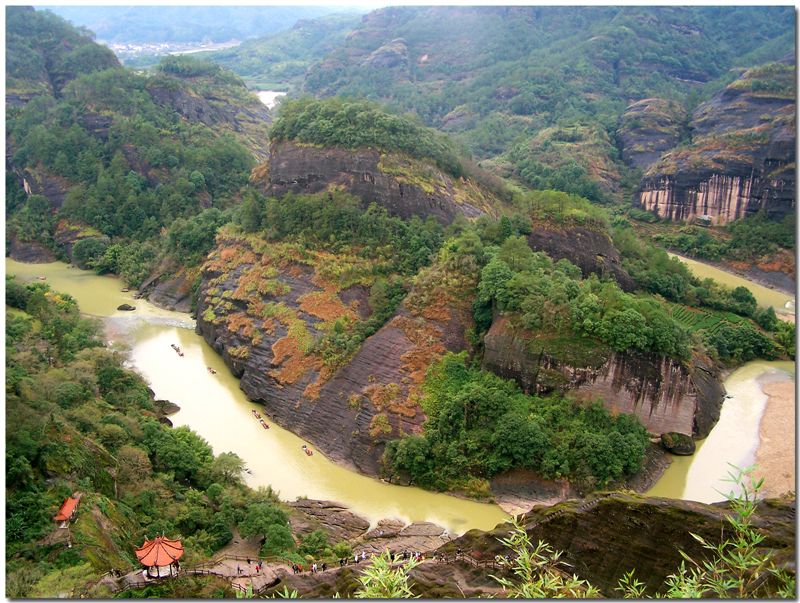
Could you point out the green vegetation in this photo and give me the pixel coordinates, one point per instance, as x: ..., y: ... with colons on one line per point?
x: 574, y: 69
x: 337, y: 220
x: 716, y: 313
x: 750, y: 238
x: 552, y: 297
x: 128, y: 163
x: 479, y: 425
x: 43, y: 51
x: 560, y: 158
x: 354, y: 124
x: 281, y: 60
x: 771, y: 79
x: 82, y: 422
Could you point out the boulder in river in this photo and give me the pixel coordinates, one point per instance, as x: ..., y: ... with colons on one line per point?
x: 678, y: 443
x: 126, y: 307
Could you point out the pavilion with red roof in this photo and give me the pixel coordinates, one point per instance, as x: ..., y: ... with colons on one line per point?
x: 160, y: 556
x: 67, y: 512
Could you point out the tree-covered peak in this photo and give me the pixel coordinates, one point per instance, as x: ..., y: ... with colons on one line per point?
x: 356, y: 124
x: 44, y: 52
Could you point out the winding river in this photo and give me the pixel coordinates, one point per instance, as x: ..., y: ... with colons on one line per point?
x: 214, y: 407
x: 734, y: 439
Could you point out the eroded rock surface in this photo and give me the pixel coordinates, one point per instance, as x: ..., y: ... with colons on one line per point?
x: 264, y: 310
x: 663, y: 393
x: 742, y: 156
x: 607, y: 535
x: 404, y: 186
x: 648, y: 128
x: 591, y: 250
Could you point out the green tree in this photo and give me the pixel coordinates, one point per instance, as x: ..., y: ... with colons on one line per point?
x: 249, y: 213
x: 259, y: 516
x: 87, y: 251
x: 314, y: 543
x: 227, y: 468
x: 277, y: 540
x: 623, y: 330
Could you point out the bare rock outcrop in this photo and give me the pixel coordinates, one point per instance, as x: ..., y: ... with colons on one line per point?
x: 648, y: 128
x: 29, y: 251
x: 339, y: 522
x: 392, y: 55
x: 601, y: 537
x: 663, y: 393
x: 591, y: 250
x: 609, y: 534
x: 248, y: 117
x: 404, y: 186
x: 265, y: 309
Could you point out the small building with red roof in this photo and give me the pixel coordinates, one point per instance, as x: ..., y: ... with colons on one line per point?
x: 160, y: 557
x: 67, y: 512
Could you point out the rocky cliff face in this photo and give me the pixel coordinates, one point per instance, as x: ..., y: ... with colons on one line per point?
x: 236, y: 109
x: 404, y: 186
x: 648, y: 128
x: 602, y: 537
x: 742, y: 155
x: 663, y: 393
x: 591, y: 250
x: 265, y: 307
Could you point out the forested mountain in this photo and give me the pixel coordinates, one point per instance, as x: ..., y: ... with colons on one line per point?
x: 281, y: 60
x: 98, y: 152
x: 421, y: 315
x: 488, y: 73
x: 44, y: 52
x: 141, y: 24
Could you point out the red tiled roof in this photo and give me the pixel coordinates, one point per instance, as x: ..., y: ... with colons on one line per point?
x: 159, y: 552
x: 66, y: 509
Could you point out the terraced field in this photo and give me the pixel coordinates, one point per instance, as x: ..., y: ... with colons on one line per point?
x: 695, y: 319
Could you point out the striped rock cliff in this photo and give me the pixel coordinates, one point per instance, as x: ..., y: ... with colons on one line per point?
x: 663, y: 393
x: 264, y: 307
x: 741, y: 158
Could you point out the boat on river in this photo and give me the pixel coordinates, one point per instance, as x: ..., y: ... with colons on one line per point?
x: 263, y: 423
x: 255, y: 414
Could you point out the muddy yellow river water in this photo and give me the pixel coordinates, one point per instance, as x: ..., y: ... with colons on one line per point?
x: 215, y: 407
x: 782, y: 303
x: 734, y: 440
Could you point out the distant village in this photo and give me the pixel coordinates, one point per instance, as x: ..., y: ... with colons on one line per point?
x: 134, y: 50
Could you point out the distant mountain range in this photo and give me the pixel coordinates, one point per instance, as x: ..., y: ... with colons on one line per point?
x: 149, y: 24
